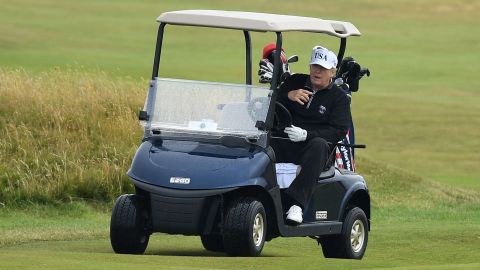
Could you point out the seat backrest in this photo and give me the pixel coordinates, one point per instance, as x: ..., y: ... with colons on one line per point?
x: 330, y: 172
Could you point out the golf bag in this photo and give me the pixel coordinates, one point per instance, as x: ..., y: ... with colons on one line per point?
x: 265, y: 71
x: 347, y: 78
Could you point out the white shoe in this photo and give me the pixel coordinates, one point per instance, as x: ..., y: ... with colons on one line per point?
x: 295, y: 214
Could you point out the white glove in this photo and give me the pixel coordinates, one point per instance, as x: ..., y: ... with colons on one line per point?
x: 296, y: 134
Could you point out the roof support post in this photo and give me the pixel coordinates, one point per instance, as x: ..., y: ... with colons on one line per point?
x: 277, y: 70
x: 277, y: 62
x: 248, y: 58
x: 158, y: 51
x: 341, y: 50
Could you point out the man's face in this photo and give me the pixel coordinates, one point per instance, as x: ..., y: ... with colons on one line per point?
x: 320, y: 76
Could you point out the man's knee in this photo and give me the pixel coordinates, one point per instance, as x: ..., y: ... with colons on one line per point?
x: 317, y: 149
x: 318, y: 144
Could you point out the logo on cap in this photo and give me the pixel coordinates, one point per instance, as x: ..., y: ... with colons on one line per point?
x: 323, y: 57
x: 320, y: 55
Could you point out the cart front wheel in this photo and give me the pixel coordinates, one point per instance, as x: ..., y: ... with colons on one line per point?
x: 245, y: 227
x: 128, y: 225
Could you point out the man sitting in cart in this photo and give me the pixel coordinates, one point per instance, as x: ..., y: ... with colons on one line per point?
x: 320, y: 118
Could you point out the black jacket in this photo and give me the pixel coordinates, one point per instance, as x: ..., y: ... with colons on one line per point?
x: 326, y: 115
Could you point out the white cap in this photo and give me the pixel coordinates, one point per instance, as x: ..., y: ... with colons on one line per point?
x: 323, y: 57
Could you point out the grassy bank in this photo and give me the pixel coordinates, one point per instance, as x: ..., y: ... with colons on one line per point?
x: 66, y: 135
x: 419, y: 110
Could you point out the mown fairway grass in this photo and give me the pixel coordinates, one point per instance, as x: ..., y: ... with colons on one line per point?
x: 68, y: 127
x: 416, y: 224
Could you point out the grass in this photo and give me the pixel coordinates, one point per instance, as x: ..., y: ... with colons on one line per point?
x: 73, y: 76
x: 419, y: 110
x: 416, y: 224
x: 66, y: 135
x: 188, y: 254
x: 53, y: 222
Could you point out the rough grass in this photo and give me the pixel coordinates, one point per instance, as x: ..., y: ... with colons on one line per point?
x: 66, y: 135
x: 419, y: 110
x: 71, y: 134
x: 392, y: 187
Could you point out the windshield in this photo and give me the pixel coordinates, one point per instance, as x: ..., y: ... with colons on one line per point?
x: 207, y: 109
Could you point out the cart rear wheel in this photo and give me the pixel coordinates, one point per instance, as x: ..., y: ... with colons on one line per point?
x: 213, y: 242
x: 352, y: 242
x: 128, y: 225
x: 245, y: 227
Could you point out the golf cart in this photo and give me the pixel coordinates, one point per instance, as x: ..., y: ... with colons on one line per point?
x: 205, y: 167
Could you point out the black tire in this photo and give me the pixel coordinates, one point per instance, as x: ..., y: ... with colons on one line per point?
x: 128, y: 226
x: 245, y: 227
x: 352, y: 242
x: 213, y: 242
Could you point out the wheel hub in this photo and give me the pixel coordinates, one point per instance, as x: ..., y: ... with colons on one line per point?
x: 357, y: 235
x: 258, y: 227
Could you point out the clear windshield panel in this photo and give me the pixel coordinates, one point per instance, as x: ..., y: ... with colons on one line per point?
x: 208, y: 108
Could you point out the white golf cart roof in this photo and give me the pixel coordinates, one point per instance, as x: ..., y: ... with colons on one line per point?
x: 260, y: 22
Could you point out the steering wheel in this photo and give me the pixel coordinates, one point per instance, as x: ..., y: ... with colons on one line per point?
x: 283, y: 117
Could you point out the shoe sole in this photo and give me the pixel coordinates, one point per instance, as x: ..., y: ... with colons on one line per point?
x: 292, y: 222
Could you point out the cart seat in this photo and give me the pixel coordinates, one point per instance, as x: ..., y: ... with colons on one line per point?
x: 286, y: 173
x: 329, y: 172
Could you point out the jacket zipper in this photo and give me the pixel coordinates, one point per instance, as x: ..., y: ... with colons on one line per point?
x: 310, y: 101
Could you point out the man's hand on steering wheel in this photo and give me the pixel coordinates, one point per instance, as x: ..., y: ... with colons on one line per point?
x: 301, y: 96
x: 296, y: 134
